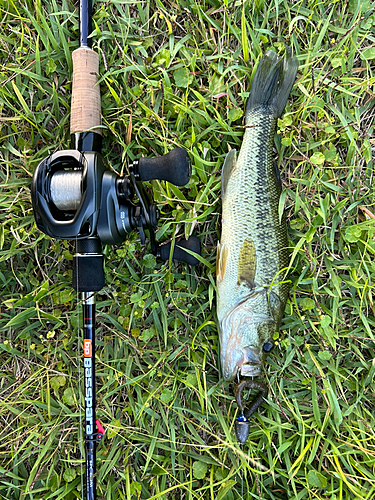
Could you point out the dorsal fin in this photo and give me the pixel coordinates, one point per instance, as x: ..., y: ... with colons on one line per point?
x: 247, y: 263
x: 229, y: 164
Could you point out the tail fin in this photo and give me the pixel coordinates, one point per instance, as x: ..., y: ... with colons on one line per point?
x: 272, y: 82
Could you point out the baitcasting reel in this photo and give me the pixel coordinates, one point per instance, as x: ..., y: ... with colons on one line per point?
x: 76, y: 197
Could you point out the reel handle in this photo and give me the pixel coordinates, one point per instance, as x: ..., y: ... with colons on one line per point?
x: 192, y: 243
x: 173, y: 167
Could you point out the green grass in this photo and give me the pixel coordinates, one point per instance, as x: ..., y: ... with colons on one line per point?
x: 180, y: 73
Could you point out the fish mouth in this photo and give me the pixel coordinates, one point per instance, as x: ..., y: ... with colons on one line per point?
x: 245, y: 361
x: 244, y: 370
x: 251, y: 365
x: 251, y: 370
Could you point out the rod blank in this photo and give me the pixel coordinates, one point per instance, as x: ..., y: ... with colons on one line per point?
x: 85, y: 23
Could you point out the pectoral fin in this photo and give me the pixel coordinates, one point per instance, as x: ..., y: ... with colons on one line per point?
x: 247, y: 263
x: 221, y: 261
x: 275, y: 307
x: 229, y: 164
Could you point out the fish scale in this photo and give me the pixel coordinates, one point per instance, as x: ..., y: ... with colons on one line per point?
x: 253, y: 251
x: 250, y: 210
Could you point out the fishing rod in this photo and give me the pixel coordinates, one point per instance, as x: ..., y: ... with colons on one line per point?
x: 75, y: 197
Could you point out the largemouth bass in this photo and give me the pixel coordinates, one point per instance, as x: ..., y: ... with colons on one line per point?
x: 253, y: 255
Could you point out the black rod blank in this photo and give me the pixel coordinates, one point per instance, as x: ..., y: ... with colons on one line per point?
x: 85, y: 23
x: 88, y: 309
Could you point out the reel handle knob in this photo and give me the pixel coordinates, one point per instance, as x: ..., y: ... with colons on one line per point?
x: 173, y: 167
x: 192, y: 243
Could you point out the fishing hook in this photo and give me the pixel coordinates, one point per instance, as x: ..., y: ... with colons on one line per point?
x: 242, y: 424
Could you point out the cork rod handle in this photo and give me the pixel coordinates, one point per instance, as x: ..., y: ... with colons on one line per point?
x: 85, y: 108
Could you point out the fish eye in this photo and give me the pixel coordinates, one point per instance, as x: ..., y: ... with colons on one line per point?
x: 268, y: 346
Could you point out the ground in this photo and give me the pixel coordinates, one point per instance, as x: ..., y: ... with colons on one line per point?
x: 178, y: 74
